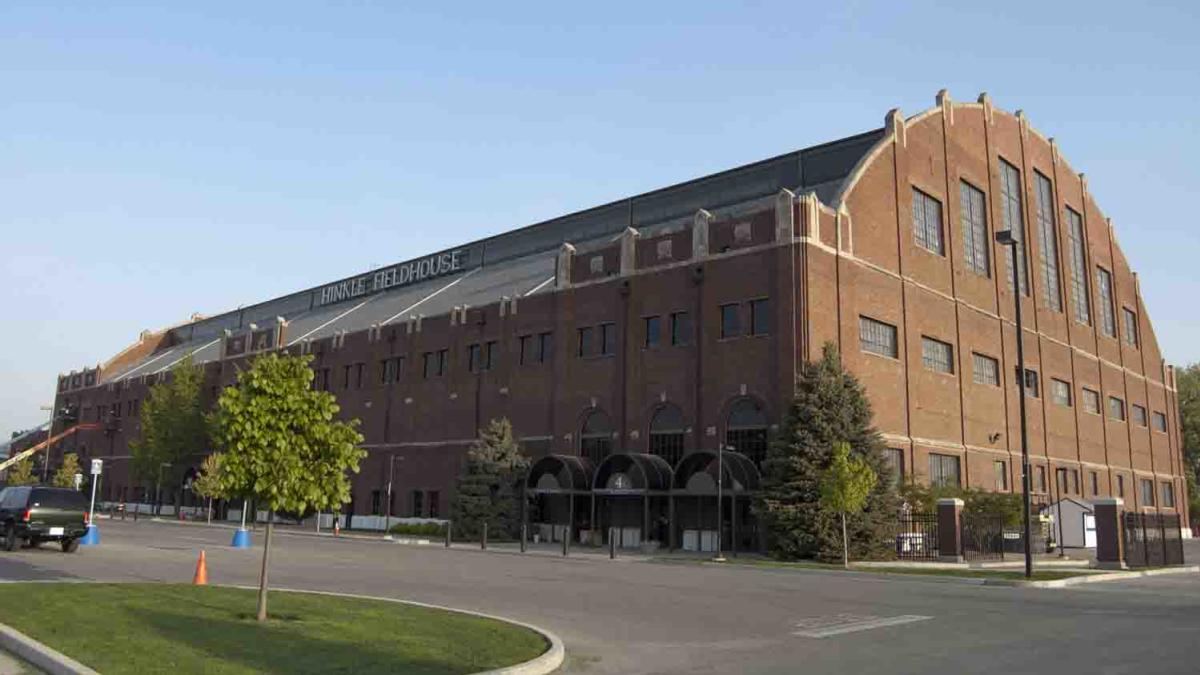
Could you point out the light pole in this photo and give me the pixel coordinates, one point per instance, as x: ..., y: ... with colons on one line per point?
x: 719, y: 557
x: 1012, y: 240
x: 387, y: 520
x: 49, y: 435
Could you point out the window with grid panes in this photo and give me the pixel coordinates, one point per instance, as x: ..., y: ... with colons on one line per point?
x: 937, y: 356
x: 1116, y: 408
x: 1168, y: 496
x: 1060, y: 392
x: 927, y: 222
x: 1108, y: 322
x: 974, y: 228
x: 944, y: 470
x: 1139, y: 415
x: 1047, y: 243
x: 1030, y: 381
x: 1014, y: 219
x: 1078, y: 264
x: 894, y: 458
x: 877, y: 337
x: 1131, y: 326
x: 1160, y: 422
x: 1091, y: 401
x: 986, y: 369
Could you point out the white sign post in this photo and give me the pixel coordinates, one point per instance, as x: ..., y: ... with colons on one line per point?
x: 97, y: 467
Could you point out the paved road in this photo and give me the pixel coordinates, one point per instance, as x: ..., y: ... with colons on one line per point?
x: 633, y: 615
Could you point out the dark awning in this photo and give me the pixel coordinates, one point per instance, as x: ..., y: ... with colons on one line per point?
x: 741, y: 475
x: 632, y: 473
x: 559, y: 474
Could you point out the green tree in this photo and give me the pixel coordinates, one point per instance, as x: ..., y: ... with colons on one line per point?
x: 65, y: 476
x: 845, y: 485
x: 282, y: 445
x: 21, y: 473
x: 208, y: 484
x: 1188, y: 383
x: 830, y: 406
x: 174, y: 427
x: 488, y: 487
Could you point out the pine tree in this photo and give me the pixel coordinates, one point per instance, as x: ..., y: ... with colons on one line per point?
x: 489, y: 486
x: 830, y: 406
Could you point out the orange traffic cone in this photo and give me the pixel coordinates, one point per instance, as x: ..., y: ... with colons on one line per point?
x: 201, y: 578
x: 336, y: 530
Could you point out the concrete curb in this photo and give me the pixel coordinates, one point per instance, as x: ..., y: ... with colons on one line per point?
x: 549, y: 661
x: 1092, y: 578
x: 39, y: 655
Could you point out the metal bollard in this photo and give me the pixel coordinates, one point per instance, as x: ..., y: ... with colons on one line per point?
x: 449, y: 524
x: 566, y: 542
x: 136, y: 511
x: 124, y: 510
x: 483, y: 537
x: 523, y: 537
x: 612, y: 545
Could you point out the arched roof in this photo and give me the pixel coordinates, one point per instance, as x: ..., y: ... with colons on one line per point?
x: 559, y: 474
x: 645, y: 473
x: 740, y: 473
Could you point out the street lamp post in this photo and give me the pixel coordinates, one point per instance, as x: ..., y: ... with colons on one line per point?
x: 719, y: 557
x: 1012, y: 240
x: 49, y: 435
x: 387, y: 520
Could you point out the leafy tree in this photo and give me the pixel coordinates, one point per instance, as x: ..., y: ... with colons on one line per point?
x: 845, y: 485
x: 487, y: 488
x: 830, y: 406
x: 208, y: 483
x: 21, y: 473
x: 65, y: 476
x: 1188, y: 382
x: 282, y: 445
x: 174, y: 427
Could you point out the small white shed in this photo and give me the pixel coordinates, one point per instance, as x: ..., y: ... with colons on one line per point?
x: 1078, y: 522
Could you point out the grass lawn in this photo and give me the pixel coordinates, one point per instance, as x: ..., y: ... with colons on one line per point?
x: 144, y: 628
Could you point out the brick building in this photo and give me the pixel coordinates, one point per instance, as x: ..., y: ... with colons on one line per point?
x: 656, y: 327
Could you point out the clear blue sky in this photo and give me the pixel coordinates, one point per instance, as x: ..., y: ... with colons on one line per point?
x: 157, y: 162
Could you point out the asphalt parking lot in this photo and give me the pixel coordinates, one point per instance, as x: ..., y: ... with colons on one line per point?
x: 637, y: 615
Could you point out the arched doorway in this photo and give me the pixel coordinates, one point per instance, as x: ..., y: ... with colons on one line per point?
x: 631, y: 490
x: 596, y: 437
x: 556, y: 483
x: 667, y: 433
x: 746, y: 429
x: 694, y: 502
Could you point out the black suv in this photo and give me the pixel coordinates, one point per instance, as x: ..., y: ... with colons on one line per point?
x: 38, y: 514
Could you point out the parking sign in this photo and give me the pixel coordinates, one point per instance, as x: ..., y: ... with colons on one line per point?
x: 97, y: 466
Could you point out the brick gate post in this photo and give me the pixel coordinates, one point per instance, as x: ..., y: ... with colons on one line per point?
x: 1110, y: 545
x: 949, y: 521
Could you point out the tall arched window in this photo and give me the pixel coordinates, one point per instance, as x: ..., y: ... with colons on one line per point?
x: 666, y: 434
x: 595, y: 437
x: 746, y: 430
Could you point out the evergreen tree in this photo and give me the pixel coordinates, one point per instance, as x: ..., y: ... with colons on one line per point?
x: 489, y: 486
x: 174, y: 428
x: 65, y: 476
x: 21, y: 473
x: 830, y: 406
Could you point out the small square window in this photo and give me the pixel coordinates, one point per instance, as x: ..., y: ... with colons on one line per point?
x: 1160, y: 422
x: 944, y: 470
x: 1116, y: 408
x: 937, y: 356
x: 1032, y: 389
x: 760, y: 317
x: 731, y: 321
x: 1139, y: 415
x: 1060, y: 392
x: 877, y: 337
x: 653, y: 326
x: 987, y: 369
x: 1091, y: 401
x: 681, y: 328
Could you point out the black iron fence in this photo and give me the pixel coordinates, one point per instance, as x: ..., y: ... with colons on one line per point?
x: 917, y: 536
x: 983, y: 537
x: 1152, y: 540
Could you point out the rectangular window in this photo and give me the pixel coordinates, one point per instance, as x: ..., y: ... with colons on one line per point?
x: 1014, y: 219
x: 760, y: 317
x: 474, y: 358
x: 943, y: 470
x: 1116, y: 408
x: 681, y: 328
x: 653, y: 326
x: 1047, y: 243
x: 489, y: 354
x: 1095, y: 483
x: 1078, y: 263
x: 894, y: 458
x: 585, y: 342
x: 1060, y: 480
x: 525, y: 349
x: 1131, y: 326
x: 1139, y: 415
x: 434, y: 364
x: 359, y: 370
x: 1060, y: 392
x: 987, y: 369
x: 877, y: 337
x: 417, y: 503
x: 1108, y: 322
x: 1146, y: 486
x: 974, y: 227
x: 1041, y: 479
x: 937, y: 356
x: 608, y: 339
x: 1000, y: 467
x: 731, y: 321
x: 1168, y: 496
x: 927, y: 222
x: 545, y: 347
x: 434, y: 505
x: 346, y: 376
x: 1032, y: 388
x: 1091, y: 401
x: 376, y: 503
x: 1160, y: 422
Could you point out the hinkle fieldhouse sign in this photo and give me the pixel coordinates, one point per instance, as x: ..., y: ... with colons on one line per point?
x: 421, y: 269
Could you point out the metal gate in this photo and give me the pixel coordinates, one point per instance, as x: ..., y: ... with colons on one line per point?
x: 1152, y: 540
x: 983, y: 537
x: 917, y: 536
